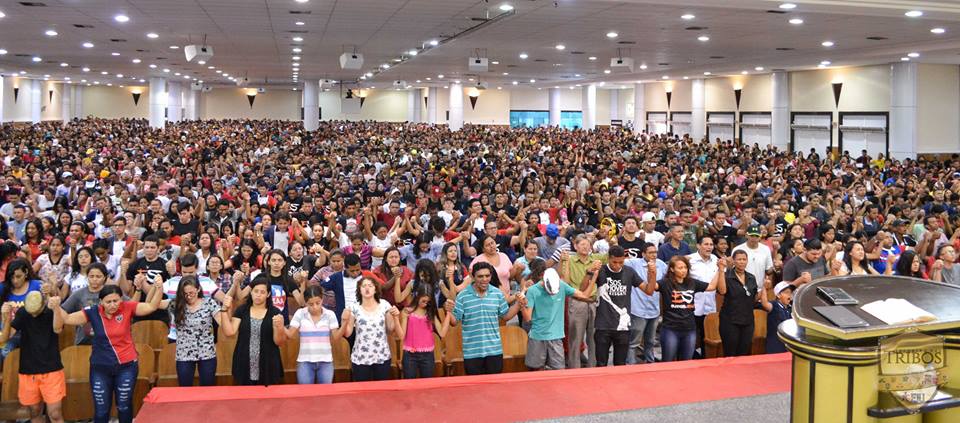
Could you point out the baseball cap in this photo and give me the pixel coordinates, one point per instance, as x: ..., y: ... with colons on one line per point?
x: 551, y: 281
x: 753, y: 230
x: 782, y: 286
x: 648, y: 217
x: 900, y: 222
x: 553, y: 230
x: 66, y: 175
x: 33, y: 303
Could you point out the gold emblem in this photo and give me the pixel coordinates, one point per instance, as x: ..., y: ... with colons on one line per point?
x: 911, y: 368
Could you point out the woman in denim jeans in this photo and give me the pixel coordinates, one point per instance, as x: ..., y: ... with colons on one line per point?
x: 113, y: 360
x: 319, y: 330
x: 193, y: 316
x: 418, y: 323
x: 678, y: 333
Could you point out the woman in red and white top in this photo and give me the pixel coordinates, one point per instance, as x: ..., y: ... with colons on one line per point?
x: 113, y: 359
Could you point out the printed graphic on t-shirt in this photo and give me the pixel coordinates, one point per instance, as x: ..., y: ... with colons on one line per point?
x: 681, y: 300
x: 616, y: 288
x: 279, y: 296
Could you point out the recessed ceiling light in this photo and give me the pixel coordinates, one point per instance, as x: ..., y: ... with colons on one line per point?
x: 687, y: 17
x: 914, y: 14
x: 429, y: 79
x: 495, y: 62
x: 440, y: 76
x: 299, y: 23
x: 302, y: 1
x: 87, y: 45
x: 703, y: 38
x: 643, y: 67
x: 913, y: 54
x: 938, y: 30
x: 104, y: 72
x: 119, y: 75
x: 298, y: 39
x: 114, y: 54
x: 560, y: 47
x: 523, y: 55
x: 397, y: 60
x: 37, y: 59
x: 219, y: 71
x: 612, y: 34
x: 825, y: 63
x: 606, y: 71
x: 533, y: 81
x: 744, y: 72
x: 413, y: 52
x: 121, y: 18
x: 86, y: 69
x: 23, y: 72
x: 295, y: 57
x: 758, y: 68
x: 506, y: 73
x: 418, y: 81
x: 385, y: 66
x: 708, y: 73
x: 788, y: 6
x: 369, y: 74
x: 904, y: 59
x: 665, y: 77
x: 686, y: 77
x: 165, y: 70
x: 142, y: 80
x: 64, y: 64
x: 50, y: 33
x: 827, y: 44
x: 434, y: 43
x: 296, y: 50
x: 577, y: 75
x: 2, y: 14
x: 796, y: 21
x: 2, y: 52
x: 153, y: 66
x: 201, y: 62
x: 592, y: 58
x: 506, y: 7
x: 153, y: 35
x: 135, y: 60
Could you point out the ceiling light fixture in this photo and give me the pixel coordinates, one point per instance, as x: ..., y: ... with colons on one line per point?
x: 606, y: 71
x: 938, y: 30
x: 495, y: 62
x: 153, y: 66
x: 114, y: 54
x: 827, y: 44
x: 121, y: 18
x: 707, y: 73
x: 506, y: 73
x: 904, y: 59
x: 299, y: 23
x: 135, y: 60
x: 523, y: 55
x: 612, y: 34
x: 64, y: 64
x: 821, y: 66
x: 50, y: 33
x: 744, y: 72
x: 825, y: 63
x: 758, y: 68
x: 687, y: 17
x: 796, y: 21
x: 914, y: 14
x: 297, y: 39
x: 913, y: 55
x: 296, y: 50
x: 643, y: 66
x: 434, y: 43
x: 295, y: 57
x: 87, y: 45
x: 86, y: 69
x: 665, y: 77
x: 560, y: 47
x: 37, y: 59
x: 2, y: 52
x: 153, y: 35
x: 592, y: 58
x: 104, y: 72
x: 413, y: 52
x: 165, y: 70
x: 703, y: 38
x: 788, y: 6
x: 533, y: 81
x: 440, y: 76
x: 506, y: 7
x: 368, y: 74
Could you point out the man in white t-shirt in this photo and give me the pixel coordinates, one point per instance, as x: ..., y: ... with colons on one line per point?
x: 759, y: 258
x: 703, y: 266
x: 649, y: 221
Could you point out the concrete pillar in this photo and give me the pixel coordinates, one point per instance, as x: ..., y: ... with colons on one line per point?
x: 66, y: 102
x: 903, y: 110
x: 311, y: 104
x: 554, y: 107
x: 614, y: 105
x: 158, y: 101
x: 36, y: 100
x: 780, y: 113
x: 78, y: 101
x: 174, y: 101
x: 456, y: 107
x: 413, y: 105
x: 1, y: 99
x: 588, y: 106
x: 639, y: 108
x: 190, y: 104
x: 432, y: 105
x: 698, y: 115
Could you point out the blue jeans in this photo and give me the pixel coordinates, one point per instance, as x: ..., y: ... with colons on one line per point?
x: 642, y: 332
x: 207, y: 370
x: 417, y: 364
x: 677, y: 345
x: 107, y: 382
x: 314, y: 372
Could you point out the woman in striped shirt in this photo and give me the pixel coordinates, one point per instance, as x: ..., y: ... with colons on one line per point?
x: 318, y: 330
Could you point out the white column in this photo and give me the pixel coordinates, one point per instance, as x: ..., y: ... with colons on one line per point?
x: 418, y: 106
x: 588, y: 106
x: 66, y: 102
x: 698, y: 115
x: 158, y: 100
x: 36, y: 99
x: 190, y: 104
x: 903, y: 110
x: 413, y: 105
x: 432, y: 105
x: 456, y: 107
x: 1, y: 99
x: 614, y: 105
x: 311, y: 104
x: 174, y: 101
x: 554, y: 107
x: 78, y: 101
x: 780, y: 113
x: 639, y: 109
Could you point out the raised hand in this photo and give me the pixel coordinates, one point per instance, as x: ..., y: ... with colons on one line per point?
x: 448, y: 306
x: 393, y: 311
x: 227, y: 302
x: 346, y: 316
x: 53, y: 303
x: 277, y: 321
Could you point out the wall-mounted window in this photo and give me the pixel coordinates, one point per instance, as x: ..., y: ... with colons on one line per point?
x: 535, y: 118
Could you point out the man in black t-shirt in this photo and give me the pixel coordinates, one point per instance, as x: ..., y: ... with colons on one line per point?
x: 41, y: 370
x: 142, y: 273
x: 614, y: 285
x: 630, y: 241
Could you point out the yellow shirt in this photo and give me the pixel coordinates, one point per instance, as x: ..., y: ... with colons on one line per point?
x: 578, y: 269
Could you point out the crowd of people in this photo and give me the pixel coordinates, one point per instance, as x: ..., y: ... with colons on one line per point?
x: 592, y: 241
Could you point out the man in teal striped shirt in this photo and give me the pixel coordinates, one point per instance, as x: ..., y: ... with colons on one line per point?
x: 480, y: 309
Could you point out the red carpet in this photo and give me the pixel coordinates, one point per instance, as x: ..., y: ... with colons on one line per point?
x: 496, y: 398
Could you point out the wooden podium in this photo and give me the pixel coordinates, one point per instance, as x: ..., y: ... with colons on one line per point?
x: 836, y: 372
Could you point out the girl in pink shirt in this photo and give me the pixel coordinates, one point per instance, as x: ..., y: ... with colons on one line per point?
x: 418, y: 323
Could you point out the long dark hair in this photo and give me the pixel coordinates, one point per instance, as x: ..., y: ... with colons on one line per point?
x: 426, y: 267
x: 384, y: 268
x: 848, y: 259
x: 15, y: 265
x: 75, y: 265
x: 261, y: 279
x: 426, y: 291
x: 670, y: 276
x: 905, y: 263
x: 180, y: 301
x: 537, y: 267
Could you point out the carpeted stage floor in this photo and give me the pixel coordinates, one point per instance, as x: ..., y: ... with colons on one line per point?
x: 722, y: 390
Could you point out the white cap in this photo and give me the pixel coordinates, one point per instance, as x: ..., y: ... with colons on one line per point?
x: 648, y: 217
x: 780, y: 287
x: 551, y: 281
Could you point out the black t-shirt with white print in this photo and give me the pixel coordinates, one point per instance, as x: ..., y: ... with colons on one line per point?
x: 617, y: 286
x: 676, y: 302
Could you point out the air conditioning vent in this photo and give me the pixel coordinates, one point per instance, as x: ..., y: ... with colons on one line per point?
x: 577, y: 52
x: 626, y: 43
x: 784, y: 48
x: 33, y: 4
x: 663, y: 64
x: 298, y: 31
x: 695, y: 28
x: 877, y: 38
x: 82, y: 26
x: 718, y: 57
x: 301, y: 12
x: 118, y: 40
x: 777, y: 12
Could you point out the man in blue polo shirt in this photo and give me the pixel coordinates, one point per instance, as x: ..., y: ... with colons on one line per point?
x: 480, y: 310
x: 644, y: 309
